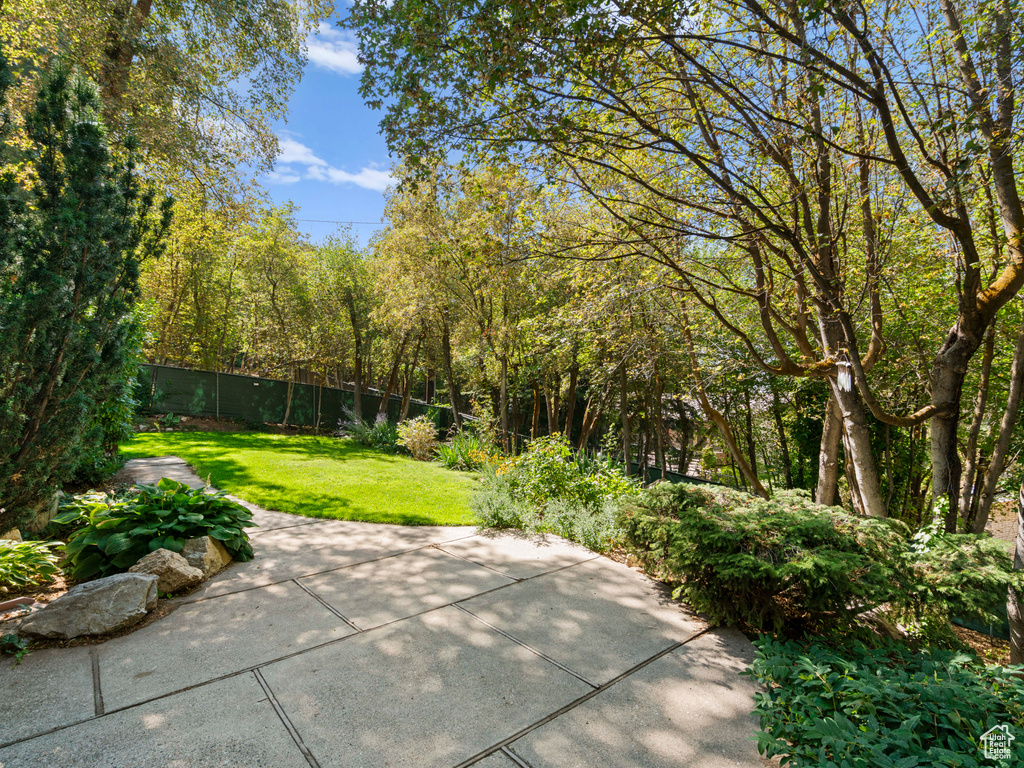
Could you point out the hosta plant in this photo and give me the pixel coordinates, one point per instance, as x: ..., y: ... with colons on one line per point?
x: 119, y: 530
x: 24, y: 563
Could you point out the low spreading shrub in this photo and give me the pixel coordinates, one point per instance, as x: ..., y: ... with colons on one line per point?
x: 419, y: 437
x: 789, y: 565
x: 25, y: 563
x: 888, y: 707
x: 119, y: 530
x: 381, y: 435
x: 548, y: 489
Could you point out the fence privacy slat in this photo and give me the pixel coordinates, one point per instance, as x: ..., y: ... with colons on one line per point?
x: 187, y: 392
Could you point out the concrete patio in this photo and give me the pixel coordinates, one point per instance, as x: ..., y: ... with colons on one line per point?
x: 358, y: 645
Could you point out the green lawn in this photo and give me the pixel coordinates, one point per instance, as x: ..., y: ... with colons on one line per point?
x: 318, y: 476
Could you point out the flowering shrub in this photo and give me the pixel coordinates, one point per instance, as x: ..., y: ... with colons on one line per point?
x: 549, y: 489
x: 419, y: 437
x: 549, y: 469
x: 465, y: 452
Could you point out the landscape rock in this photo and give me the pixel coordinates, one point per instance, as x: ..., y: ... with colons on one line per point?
x: 206, y: 554
x: 95, y: 608
x: 45, y: 513
x: 12, y: 535
x: 173, y: 571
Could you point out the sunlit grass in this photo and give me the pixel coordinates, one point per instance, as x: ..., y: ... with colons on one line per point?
x: 318, y: 476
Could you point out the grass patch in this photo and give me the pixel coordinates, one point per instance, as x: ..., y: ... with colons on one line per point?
x: 318, y: 476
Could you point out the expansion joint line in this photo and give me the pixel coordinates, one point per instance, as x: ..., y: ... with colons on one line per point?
x: 284, y: 719
x: 501, y: 745
x: 97, y: 690
x: 530, y: 648
x: 326, y: 605
x: 514, y: 758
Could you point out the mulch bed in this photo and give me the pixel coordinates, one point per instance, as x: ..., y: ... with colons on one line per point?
x: 994, y: 650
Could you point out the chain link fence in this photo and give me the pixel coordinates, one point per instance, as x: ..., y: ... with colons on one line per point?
x: 186, y: 392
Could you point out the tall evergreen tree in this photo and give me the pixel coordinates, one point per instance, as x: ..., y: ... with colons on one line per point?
x: 74, y: 226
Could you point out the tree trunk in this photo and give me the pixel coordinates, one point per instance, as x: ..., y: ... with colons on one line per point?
x: 749, y: 417
x: 947, y: 382
x: 858, y: 444
x: 288, y: 403
x: 392, y: 384
x: 446, y: 360
x: 407, y: 384
x: 535, y: 421
x: 717, y: 418
x: 685, y: 435
x: 503, y: 403
x: 659, y: 427
x: 627, y: 438
x: 784, y: 445
x: 1013, y: 603
x: 828, y: 454
x: 570, y: 399
x: 971, y: 449
x: 357, y: 393
x: 588, y: 417
x: 997, y: 463
x: 856, y: 500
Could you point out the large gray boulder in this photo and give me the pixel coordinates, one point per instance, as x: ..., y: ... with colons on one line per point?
x: 95, y: 608
x: 171, y: 570
x: 206, y: 554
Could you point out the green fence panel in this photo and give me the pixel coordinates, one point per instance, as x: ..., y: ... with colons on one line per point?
x: 185, y: 392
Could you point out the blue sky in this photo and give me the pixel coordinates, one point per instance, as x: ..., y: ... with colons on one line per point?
x: 334, y: 163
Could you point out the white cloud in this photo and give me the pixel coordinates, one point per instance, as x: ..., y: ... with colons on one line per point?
x: 369, y: 178
x: 284, y: 176
x: 294, y: 153
x: 333, y: 50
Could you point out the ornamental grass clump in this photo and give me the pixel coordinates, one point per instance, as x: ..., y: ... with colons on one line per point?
x: 419, y: 437
x: 464, y: 452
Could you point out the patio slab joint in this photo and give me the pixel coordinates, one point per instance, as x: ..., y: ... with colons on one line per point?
x: 289, y: 726
x: 514, y: 758
x: 97, y: 689
x: 441, y: 548
x: 527, y: 646
x: 327, y: 605
x: 577, y: 702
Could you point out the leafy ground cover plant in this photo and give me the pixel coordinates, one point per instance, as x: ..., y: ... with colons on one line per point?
x: 789, y: 565
x: 119, y: 530
x: 15, y: 646
x: 24, y: 563
x: 888, y: 707
x: 419, y: 437
x: 548, y: 489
